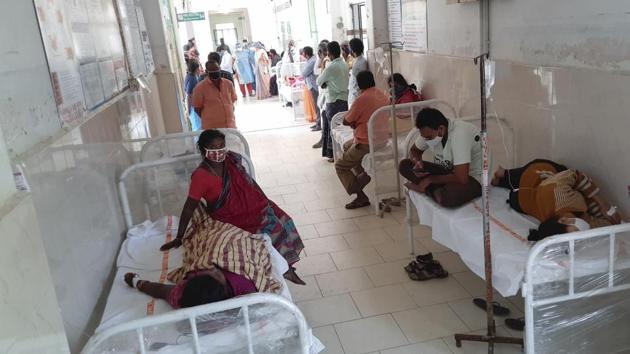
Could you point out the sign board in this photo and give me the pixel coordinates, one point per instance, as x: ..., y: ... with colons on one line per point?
x: 394, y: 16
x: 414, y: 25
x: 191, y: 16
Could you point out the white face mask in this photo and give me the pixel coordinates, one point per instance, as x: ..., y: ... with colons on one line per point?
x: 581, y: 225
x: 435, y: 141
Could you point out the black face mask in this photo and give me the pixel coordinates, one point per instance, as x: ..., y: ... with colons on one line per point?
x: 399, y: 90
x: 213, y: 75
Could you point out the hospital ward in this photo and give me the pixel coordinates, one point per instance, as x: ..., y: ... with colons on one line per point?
x: 315, y: 177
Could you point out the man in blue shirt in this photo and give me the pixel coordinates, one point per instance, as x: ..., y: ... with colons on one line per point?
x: 308, y: 72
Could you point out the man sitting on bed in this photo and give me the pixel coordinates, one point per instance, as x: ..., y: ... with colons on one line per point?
x: 453, y: 179
x: 220, y: 261
x: 563, y: 200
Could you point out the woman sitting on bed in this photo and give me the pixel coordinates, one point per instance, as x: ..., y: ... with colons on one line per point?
x: 563, y: 200
x: 220, y: 261
x: 232, y: 196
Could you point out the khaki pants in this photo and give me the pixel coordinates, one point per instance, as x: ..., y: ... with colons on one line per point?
x: 350, y: 165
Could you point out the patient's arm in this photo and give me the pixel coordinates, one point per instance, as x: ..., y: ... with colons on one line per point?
x: 155, y: 290
x: 187, y: 213
x: 459, y: 175
x: 415, y: 153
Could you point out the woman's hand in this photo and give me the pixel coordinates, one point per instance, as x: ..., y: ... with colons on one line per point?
x: 173, y: 244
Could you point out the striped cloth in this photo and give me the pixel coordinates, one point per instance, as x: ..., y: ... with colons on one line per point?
x: 209, y: 243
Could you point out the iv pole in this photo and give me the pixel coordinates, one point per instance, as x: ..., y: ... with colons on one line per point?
x: 491, y: 336
x: 388, y: 203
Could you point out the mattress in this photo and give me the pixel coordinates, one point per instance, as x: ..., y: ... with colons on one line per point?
x: 273, y: 329
x: 461, y: 230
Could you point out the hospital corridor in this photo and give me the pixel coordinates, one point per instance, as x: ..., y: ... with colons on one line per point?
x: 315, y: 176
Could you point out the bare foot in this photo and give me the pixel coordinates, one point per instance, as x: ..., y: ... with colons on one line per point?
x: 498, y: 174
x: 292, y: 276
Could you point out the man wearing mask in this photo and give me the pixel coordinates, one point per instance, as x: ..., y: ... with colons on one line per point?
x: 452, y: 180
x: 334, y: 79
x: 214, y: 98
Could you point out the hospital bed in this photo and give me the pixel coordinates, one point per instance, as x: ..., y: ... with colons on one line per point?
x: 379, y: 162
x: 135, y: 323
x: 576, y: 286
x: 178, y: 144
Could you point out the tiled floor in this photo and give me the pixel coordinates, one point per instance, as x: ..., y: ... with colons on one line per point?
x: 358, y: 298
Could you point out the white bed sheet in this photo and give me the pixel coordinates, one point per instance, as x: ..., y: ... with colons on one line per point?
x: 461, y: 230
x: 140, y: 254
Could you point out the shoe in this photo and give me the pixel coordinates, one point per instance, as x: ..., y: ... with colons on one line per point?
x: 313, y: 126
x: 317, y: 145
x: 331, y: 160
x: 516, y: 324
x: 316, y: 129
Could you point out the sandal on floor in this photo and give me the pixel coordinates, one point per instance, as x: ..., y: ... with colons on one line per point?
x: 356, y: 204
x: 496, y: 307
x: 426, y: 258
x: 421, y: 272
x: 516, y: 324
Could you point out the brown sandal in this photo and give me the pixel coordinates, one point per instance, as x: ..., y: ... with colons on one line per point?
x: 356, y: 204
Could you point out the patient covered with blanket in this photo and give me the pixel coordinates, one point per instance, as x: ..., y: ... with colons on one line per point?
x: 220, y: 261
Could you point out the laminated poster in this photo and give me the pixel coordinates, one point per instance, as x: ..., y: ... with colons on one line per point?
x: 414, y: 25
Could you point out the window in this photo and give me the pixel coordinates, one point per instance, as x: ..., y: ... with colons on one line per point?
x: 359, y: 23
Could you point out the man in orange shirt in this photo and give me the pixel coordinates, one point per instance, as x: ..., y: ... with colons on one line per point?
x: 364, y: 106
x: 214, y: 99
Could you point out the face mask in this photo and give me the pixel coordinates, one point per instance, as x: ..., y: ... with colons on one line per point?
x: 435, y: 141
x: 581, y: 225
x: 217, y: 155
x: 214, y: 75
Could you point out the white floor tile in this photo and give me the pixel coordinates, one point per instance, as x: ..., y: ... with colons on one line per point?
x: 310, y: 291
x: 300, y: 196
x: 482, y: 348
x: 341, y: 213
x: 435, y: 291
x: 388, y: 273
x: 432, y: 246
x: 399, y: 232
x: 430, y: 322
x: 307, y: 232
x: 310, y: 218
x: 343, y: 281
x: 372, y: 221
x: 322, y: 204
x: 396, y: 251
x: 471, y: 315
x: 328, y: 336
x: 316, y: 264
x: 370, y: 334
x: 329, y: 310
x: 386, y: 299
x: 356, y: 258
x: 436, y: 346
x: 451, y: 262
x: 336, y: 227
x: 293, y: 209
x: 367, y: 238
x: 325, y: 244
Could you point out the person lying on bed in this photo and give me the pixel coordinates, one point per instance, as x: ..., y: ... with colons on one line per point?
x: 220, y: 261
x: 230, y: 195
x: 563, y: 200
x: 452, y: 180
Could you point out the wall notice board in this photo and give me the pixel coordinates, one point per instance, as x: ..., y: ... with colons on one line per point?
x: 86, y: 56
x: 408, y: 23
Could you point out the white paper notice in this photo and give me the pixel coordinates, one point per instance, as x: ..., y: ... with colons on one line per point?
x: 394, y: 16
x: 91, y: 80
x: 414, y: 25
x: 62, y: 61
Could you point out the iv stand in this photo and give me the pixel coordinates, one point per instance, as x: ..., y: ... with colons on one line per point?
x: 388, y: 203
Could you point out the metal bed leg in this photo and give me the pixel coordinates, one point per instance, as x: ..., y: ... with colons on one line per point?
x: 410, y: 234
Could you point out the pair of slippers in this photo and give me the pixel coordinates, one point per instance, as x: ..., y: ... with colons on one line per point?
x: 516, y: 324
x: 425, y: 268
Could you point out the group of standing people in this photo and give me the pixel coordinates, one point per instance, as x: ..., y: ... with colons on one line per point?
x: 210, y: 91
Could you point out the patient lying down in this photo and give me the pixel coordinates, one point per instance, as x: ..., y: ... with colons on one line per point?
x: 563, y: 200
x: 220, y: 261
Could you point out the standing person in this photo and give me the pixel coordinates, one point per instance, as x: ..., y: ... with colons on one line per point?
x: 274, y: 57
x: 216, y: 57
x: 290, y: 55
x: 262, y: 72
x: 358, y: 116
x: 320, y: 65
x: 244, y: 71
x: 223, y: 45
x: 191, y: 80
x: 308, y: 72
x: 214, y: 99
x: 359, y: 64
x: 335, y: 79
x: 346, y: 54
x: 227, y: 60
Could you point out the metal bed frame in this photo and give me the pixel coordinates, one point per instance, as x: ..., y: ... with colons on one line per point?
x: 187, y: 137
x: 191, y: 314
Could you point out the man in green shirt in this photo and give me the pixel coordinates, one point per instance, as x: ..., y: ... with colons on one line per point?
x: 335, y: 80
